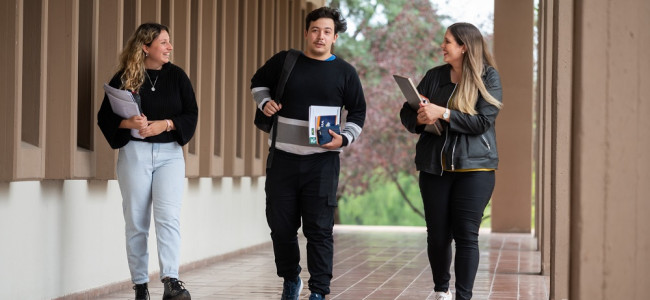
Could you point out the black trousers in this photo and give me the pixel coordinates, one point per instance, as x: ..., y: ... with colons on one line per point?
x: 303, y: 186
x: 453, y: 207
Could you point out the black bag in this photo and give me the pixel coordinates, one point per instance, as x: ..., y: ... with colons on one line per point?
x: 262, y: 122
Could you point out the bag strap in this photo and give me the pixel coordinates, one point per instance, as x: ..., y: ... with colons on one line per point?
x: 289, y: 62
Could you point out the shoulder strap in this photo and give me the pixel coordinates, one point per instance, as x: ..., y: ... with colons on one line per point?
x: 289, y: 62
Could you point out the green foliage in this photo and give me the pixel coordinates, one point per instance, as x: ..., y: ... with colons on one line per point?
x: 382, y: 204
x: 487, y: 213
x: 385, y: 37
x: 389, y: 35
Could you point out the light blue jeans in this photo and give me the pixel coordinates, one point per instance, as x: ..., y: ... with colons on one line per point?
x: 151, y: 174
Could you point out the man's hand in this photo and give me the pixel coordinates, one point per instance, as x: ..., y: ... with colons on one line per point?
x: 271, y: 108
x: 337, y: 141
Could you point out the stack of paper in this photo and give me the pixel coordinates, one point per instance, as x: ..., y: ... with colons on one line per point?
x: 123, y: 105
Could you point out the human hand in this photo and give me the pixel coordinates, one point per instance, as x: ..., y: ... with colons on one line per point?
x: 135, y: 122
x: 337, y: 141
x: 271, y: 107
x: 154, y: 128
x: 429, y: 113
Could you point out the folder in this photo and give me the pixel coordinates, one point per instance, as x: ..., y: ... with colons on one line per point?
x: 409, y: 91
x: 413, y: 98
x: 123, y: 105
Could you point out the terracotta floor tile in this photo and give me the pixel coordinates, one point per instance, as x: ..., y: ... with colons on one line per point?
x: 374, y: 263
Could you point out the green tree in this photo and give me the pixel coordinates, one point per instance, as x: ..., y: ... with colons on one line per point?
x: 391, y: 37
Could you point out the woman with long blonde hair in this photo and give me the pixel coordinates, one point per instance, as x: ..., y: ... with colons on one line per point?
x: 167, y: 122
x: 457, y: 166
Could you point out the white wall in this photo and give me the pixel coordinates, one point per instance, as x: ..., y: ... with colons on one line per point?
x: 60, y: 237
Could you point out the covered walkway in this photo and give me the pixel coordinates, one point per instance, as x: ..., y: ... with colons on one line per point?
x: 373, y: 263
x: 575, y: 116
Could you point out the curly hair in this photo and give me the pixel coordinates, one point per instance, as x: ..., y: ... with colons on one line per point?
x: 132, y: 56
x: 340, y: 25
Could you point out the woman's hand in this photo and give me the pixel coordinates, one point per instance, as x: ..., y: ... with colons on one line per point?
x: 135, y: 122
x: 154, y: 128
x: 429, y: 113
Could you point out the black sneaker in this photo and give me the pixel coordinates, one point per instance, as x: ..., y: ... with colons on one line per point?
x: 291, y: 289
x: 141, y: 291
x: 174, y: 290
x: 316, y: 296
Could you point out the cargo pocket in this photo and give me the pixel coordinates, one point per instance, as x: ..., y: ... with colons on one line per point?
x: 329, y: 180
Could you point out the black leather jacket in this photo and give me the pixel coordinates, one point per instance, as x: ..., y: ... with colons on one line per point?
x: 467, y: 142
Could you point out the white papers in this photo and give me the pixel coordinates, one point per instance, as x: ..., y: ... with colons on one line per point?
x: 123, y: 105
x: 316, y: 111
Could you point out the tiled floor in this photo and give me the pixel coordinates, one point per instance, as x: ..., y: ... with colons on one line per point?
x: 374, y: 263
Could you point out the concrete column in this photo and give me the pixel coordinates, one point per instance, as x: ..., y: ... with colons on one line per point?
x: 195, y: 73
x: 63, y: 158
x: 544, y: 126
x: 561, y: 145
x: 109, y: 23
x: 209, y: 163
x: 249, y: 39
x: 9, y: 79
x: 611, y: 167
x: 233, y: 162
x: 513, y: 50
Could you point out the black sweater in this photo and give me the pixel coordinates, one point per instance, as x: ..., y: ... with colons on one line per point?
x: 315, y: 82
x: 173, y: 99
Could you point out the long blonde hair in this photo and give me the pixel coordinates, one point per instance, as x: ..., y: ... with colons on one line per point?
x: 476, y: 57
x: 132, y: 56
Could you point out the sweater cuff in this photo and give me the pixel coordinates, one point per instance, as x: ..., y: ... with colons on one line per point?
x: 345, y: 141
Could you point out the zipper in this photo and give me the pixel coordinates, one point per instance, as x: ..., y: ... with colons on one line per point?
x: 442, y: 151
x: 442, y: 166
x: 486, y: 142
x: 453, y: 152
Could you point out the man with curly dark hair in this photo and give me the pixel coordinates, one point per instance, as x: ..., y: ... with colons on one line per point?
x: 302, y: 179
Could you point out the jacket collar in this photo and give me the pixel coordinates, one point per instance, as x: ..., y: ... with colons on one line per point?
x: 445, y: 77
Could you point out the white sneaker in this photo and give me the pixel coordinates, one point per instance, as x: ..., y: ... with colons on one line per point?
x: 443, y: 295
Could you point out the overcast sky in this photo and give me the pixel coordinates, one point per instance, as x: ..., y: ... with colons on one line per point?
x: 478, y: 12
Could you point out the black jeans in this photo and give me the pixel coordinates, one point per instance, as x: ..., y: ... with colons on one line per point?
x: 303, y: 186
x: 453, y: 207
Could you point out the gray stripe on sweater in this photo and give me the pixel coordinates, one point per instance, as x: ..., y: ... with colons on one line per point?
x: 260, y: 94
